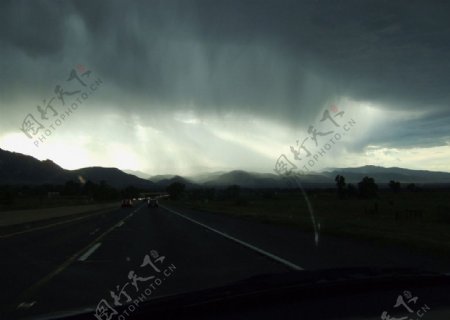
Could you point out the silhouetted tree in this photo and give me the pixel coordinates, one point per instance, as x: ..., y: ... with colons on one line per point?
x: 7, y: 195
x: 395, y: 186
x: 89, y: 189
x: 232, y: 192
x: 367, y: 188
x: 340, y: 184
x: 202, y: 194
x: 72, y: 188
x: 351, y: 190
x: 175, y: 190
x: 130, y: 192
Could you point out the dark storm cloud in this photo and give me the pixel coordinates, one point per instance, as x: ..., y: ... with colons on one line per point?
x: 429, y: 130
x: 31, y: 27
x: 281, y: 60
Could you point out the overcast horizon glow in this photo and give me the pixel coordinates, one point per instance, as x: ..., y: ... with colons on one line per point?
x: 201, y: 86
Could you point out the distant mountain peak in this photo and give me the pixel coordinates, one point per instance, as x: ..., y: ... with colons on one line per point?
x: 50, y: 163
x: 16, y: 169
x: 20, y: 169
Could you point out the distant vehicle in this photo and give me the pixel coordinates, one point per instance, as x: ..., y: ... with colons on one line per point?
x: 127, y: 203
x: 152, y: 203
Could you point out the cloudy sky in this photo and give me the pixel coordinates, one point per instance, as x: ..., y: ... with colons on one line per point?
x: 197, y: 85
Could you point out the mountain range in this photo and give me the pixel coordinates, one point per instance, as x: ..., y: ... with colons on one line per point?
x: 20, y: 169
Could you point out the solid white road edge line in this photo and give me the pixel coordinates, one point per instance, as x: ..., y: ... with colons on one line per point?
x: 248, y: 245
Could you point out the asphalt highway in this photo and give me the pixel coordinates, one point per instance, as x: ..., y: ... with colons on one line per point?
x: 135, y: 253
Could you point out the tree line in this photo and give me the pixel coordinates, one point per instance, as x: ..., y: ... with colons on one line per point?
x: 366, y: 188
x: 101, y: 191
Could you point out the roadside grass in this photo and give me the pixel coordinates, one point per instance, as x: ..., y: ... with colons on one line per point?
x: 24, y: 203
x: 420, y: 220
x: 30, y: 216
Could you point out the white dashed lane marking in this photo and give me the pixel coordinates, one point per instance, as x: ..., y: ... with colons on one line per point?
x: 89, y: 252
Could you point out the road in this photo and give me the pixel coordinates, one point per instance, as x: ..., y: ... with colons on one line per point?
x: 79, y: 263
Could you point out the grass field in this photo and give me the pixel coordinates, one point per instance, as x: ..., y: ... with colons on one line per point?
x: 417, y: 219
x: 24, y: 203
x: 18, y: 217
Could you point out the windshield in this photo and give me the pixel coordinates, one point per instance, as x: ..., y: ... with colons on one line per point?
x: 152, y: 148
